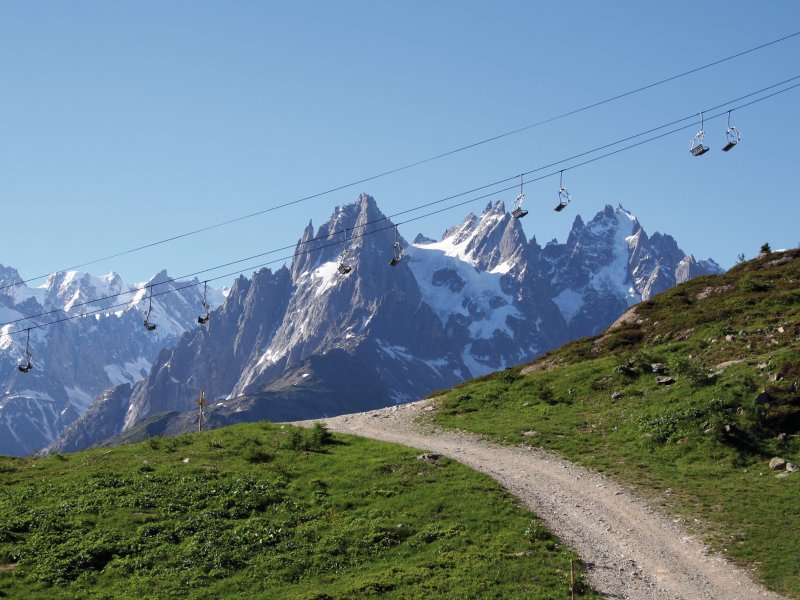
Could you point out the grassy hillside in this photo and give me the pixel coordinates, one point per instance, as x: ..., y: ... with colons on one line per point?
x: 700, y: 444
x: 264, y: 511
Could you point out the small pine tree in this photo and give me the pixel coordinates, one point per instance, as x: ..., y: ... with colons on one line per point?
x: 740, y: 259
x: 765, y: 248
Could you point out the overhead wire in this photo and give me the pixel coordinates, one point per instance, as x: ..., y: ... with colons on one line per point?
x: 414, y: 209
x: 411, y: 164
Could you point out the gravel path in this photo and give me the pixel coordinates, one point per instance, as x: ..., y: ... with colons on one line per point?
x: 631, y: 550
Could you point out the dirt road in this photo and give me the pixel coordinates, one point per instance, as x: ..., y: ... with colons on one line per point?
x: 631, y: 550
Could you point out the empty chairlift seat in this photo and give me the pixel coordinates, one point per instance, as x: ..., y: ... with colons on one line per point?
x: 518, y: 211
x: 27, y: 365
x: 398, y: 250
x: 697, y: 148
x: 564, y: 197
x: 732, y: 135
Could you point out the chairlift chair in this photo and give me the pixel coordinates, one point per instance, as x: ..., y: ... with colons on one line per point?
x: 203, y: 319
x: 564, y: 197
x: 398, y: 250
x: 697, y: 148
x: 343, y: 267
x: 732, y: 135
x: 147, y: 324
x: 518, y: 211
x: 25, y: 368
x: 398, y: 255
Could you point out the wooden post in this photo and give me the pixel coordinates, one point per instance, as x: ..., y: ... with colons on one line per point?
x: 201, y: 403
x: 572, y: 579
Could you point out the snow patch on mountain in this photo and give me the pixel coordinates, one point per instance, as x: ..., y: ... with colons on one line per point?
x: 476, y: 366
x: 78, y: 398
x: 502, y: 268
x: 325, y: 276
x: 34, y: 395
x: 395, y: 352
x: 570, y: 303
x: 128, y: 372
x: 450, y: 285
x: 613, y: 277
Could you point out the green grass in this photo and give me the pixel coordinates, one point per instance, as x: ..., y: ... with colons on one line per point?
x: 264, y: 511
x: 699, y: 446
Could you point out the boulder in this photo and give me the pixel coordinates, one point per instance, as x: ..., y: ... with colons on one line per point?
x: 791, y: 467
x: 616, y: 396
x: 429, y: 457
x: 530, y: 433
x: 664, y: 380
x: 777, y: 463
x: 658, y: 367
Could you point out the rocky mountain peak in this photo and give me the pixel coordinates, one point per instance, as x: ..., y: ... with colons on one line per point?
x: 423, y: 240
x: 159, y: 278
x: 494, y: 240
x: 308, y: 340
x: 8, y: 276
x: 360, y: 229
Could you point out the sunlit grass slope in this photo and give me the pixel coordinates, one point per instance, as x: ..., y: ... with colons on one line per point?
x: 700, y: 444
x: 263, y: 511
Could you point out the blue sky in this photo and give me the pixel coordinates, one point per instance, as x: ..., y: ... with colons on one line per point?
x: 124, y: 123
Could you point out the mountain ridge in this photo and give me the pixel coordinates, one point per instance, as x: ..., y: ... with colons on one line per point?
x: 482, y: 298
x: 79, y: 358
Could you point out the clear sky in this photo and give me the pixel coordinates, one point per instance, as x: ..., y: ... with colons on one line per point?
x: 123, y: 123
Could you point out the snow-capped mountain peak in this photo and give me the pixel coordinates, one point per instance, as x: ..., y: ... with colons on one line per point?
x: 491, y: 242
x: 306, y: 341
x: 75, y: 360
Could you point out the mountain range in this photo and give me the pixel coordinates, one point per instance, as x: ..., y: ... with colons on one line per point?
x: 306, y: 341
x: 77, y: 359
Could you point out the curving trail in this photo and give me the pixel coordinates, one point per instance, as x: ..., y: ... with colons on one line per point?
x: 631, y: 550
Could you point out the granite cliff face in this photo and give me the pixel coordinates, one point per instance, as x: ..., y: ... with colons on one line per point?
x: 306, y: 341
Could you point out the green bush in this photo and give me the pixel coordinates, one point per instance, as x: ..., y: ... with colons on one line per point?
x: 536, y: 532
x: 319, y: 436
x: 673, y: 424
x: 691, y: 368
x: 308, y: 440
x: 748, y: 284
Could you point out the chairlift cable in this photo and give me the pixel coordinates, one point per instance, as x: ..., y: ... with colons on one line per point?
x: 412, y: 164
x: 414, y: 209
x: 425, y: 205
x: 410, y: 220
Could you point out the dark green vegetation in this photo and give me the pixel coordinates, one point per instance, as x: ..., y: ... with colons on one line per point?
x: 700, y: 445
x: 263, y: 511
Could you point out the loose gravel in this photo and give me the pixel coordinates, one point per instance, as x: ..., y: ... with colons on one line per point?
x: 631, y: 550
